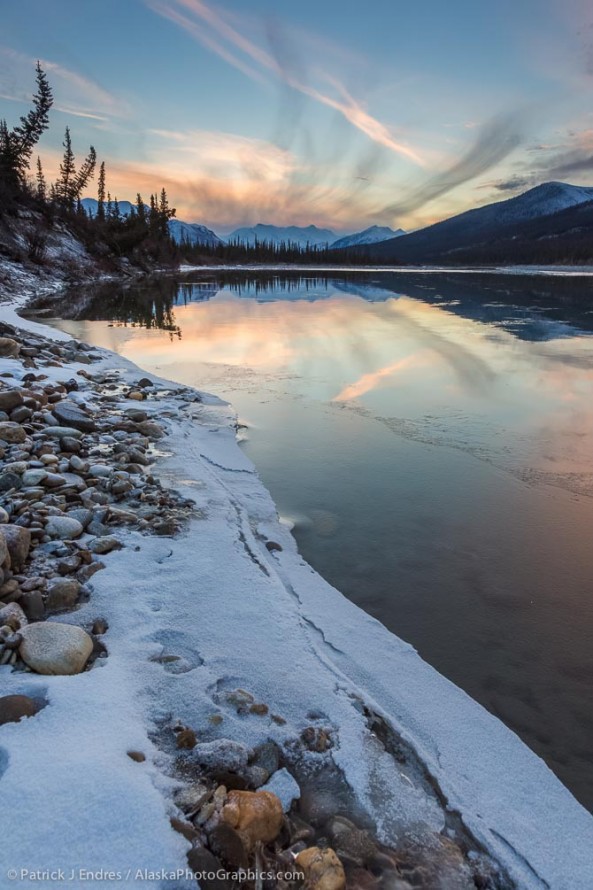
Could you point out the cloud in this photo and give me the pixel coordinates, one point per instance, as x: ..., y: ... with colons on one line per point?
x: 512, y: 184
x: 75, y: 94
x: 496, y: 139
x: 225, y: 40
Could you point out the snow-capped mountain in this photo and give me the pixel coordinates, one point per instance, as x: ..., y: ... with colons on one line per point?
x: 372, y: 235
x: 483, y: 224
x: 181, y: 232
x: 302, y: 235
x: 192, y: 233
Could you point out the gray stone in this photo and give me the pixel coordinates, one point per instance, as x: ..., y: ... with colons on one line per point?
x: 70, y: 414
x: 10, y: 480
x: 33, y: 477
x: 33, y: 605
x: 63, y: 527
x: 105, y: 544
x: 62, y: 432
x: 13, y: 615
x: 52, y: 648
x: 10, y: 399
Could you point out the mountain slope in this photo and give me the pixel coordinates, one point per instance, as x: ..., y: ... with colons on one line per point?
x: 303, y: 235
x: 190, y: 233
x: 372, y: 235
x: 442, y: 240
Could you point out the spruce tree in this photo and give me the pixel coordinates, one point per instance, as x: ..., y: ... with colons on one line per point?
x: 67, y: 172
x: 101, y: 193
x: 41, y: 184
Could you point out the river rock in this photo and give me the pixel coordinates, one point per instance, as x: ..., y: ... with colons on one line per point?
x: 105, y: 544
x: 13, y: 616
x: 70, y: 414
x: 14, y: 707
x: 322, y: 869
x: 52, y: 648
x: 9, y: 348
x: 9, y: 481
x: 33, y: 605
x: 10, y: 399
x: 62, y: 593
x: 255, y: 816
x: 33, y: 477
x: 224, y: 754
x: 18, y: 542
x: 63, y: 527
x: 62, y: 432
x: 13, y: 433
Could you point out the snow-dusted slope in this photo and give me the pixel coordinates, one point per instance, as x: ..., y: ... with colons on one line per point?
x: 483, y: 223
x: 372, y: 235
x: 303, y: 235
x: 190, y: 233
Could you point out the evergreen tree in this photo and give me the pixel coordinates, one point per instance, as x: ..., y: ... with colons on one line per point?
x: 16, y: 145
x: 41, y: 184
x: 101, y: 193
x: 67, y: 172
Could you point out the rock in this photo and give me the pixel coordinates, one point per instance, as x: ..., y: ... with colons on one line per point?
x: 144, y: 383
x: 351, y: 843
x: 9, y: 481
x: 70, y: 444
x: 70, y: 414
x: 151, y: 429
x: 136, y: 395
x: 100, y: 626
x: 105, y: 544
x: 322, y: 869
x: 62, y: 432
x: 136, y: 415
x: 13, y: 433
x: 285, y: 787
x: 222, y: 754
x: 21, y: 414
x: 10, y: 399
x: 228, y: 845
x: 4, y: 552
x: 52, y: 648
x: 62, y: 593
x: 255, y: 816
x: 137, y: 756
x: 32, y: 605
x: 33, y: 477
x: 13, y: 616
x: 185, y: 828
x: 84, y: 516
x: 99, y: 470
x: 18, y: 542
x: 9, y: 348
x: 14, y: 707
x: 259, y: 709
x: 186, y: 739
x: 4, y: 517
x: 63, y: 527
x: 201, y: 861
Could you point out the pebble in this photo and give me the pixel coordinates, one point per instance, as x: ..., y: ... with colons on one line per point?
x: 62, y: 593
x: 256, y: 816
x: 14, y: 707
x: 63, y: 527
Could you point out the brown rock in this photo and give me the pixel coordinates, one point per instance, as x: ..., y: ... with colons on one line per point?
x: 186, y: 739
x: 18, y: 542
x: 9, y: 348
x: 260, y: 709
x: 13, y: 433
x: 62, y: 593
x: 184, y: 828
x: 14, y: 707
x: 137, y: 756
x: 255, y: 815
x: 10, y: 399
x: 13, y: 616
x: 322, y: 869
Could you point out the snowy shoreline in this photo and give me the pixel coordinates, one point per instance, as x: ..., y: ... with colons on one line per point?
x: 248, y: 616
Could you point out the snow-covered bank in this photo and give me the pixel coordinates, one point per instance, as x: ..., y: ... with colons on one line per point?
x: 548, y: 271
x: 241, y: 615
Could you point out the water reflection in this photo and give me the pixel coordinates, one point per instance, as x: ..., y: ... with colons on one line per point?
x: 431, y: 439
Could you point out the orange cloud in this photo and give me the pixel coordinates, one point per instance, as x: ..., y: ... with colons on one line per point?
x: 372, y: 379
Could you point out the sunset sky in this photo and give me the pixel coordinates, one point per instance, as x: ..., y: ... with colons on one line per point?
x: 340, y: 114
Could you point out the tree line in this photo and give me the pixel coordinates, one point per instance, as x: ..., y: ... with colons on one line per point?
x: 141, y: 235
x: 238, y: 252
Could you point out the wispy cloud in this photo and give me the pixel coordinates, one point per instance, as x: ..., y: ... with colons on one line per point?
x: 373, y: 379
x: 234, y: 47
x: 75, y: 93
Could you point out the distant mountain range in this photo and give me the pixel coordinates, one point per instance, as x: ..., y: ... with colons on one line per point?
x: 552, y: 222
x: 372, y: 235
x: 310, y: 236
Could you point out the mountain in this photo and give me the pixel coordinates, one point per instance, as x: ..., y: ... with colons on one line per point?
x: 372, y: 235
x: 309, y: 235
x: 190, y: 233
x: 445, y: 241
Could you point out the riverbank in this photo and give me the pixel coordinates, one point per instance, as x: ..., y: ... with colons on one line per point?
x: 225, y: 605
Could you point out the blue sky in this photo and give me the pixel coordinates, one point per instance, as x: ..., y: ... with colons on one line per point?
x: 329, y: 112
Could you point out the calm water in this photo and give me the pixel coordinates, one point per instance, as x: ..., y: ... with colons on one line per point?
x: 431, y: 439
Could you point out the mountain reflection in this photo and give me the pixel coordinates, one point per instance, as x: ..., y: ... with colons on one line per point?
x: 533, y: 308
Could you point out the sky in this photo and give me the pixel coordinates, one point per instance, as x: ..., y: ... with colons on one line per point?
x: 330, y: 112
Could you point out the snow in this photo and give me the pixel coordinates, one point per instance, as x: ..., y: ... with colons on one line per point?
x: 372, y: 235
x: 243, y: 617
